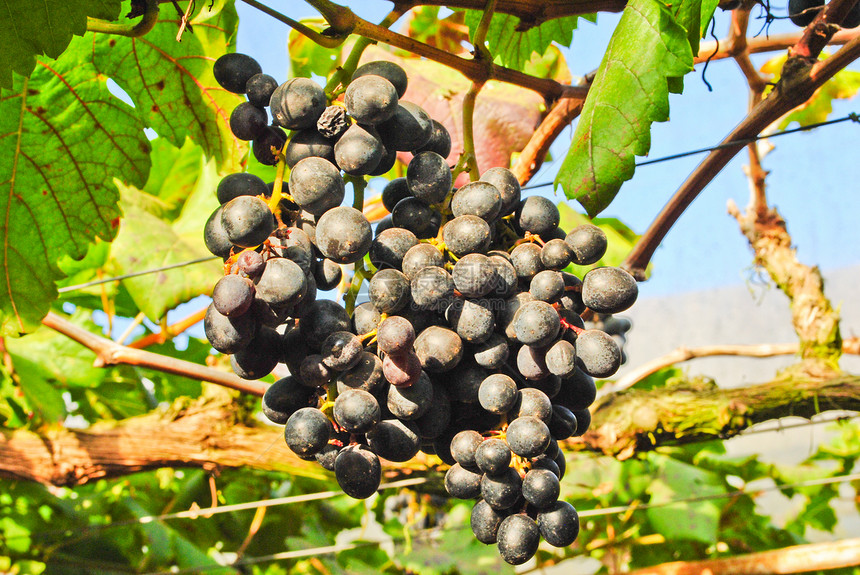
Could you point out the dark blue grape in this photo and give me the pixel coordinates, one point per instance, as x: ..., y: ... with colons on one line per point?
x: 259, y: 89
x: 359, y: 150
x: 343, y: 235
x: 247, y: 221
x: 588, y: 243
x: 541, y: 488
x: 527, y: 436
x: 370, y: 99
x: 357, y: 471
x: 559, y: 524
x: 493, y: 456
x: 395, y: 440
x: 232, y: 295
x: 388, y: 70
x: 356, y: 410
x: 429, y: 177
x: 537, y: 215
x: 485, y: 522
x: 232, y: 71
x: 247, y: 121
x: 498, y: 394
x: 297, y: 103
x: 462, y: 483
x: 609, y: 290
x: 307, y: 431
x: 518, y: 539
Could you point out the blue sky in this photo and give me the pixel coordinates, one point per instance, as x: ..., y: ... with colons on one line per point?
x: 814, y: 176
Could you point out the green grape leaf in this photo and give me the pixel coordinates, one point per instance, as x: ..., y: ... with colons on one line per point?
x: 172, y: 85
x: 630, y: 91
x: 307, y: 58
x: 694, y: 16
x: 146, y: 241
x: 59, y: 360
x: 512, y: 43
x: 16, y: 537
x: 156, y: 533
x: 551, y: 64
x: 45, y: 400
x: 816, y: 513
x: 13, y: 406
x: 63, y: 141
x: 46, y: 28
x: 174, y: 174
x: 673, y: 479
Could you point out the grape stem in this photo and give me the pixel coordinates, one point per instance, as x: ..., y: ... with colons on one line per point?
x: 469, y: 158
x: 323, y: 40
x: 344, y: 22
x: 481, y: 54
x: 277, y: 189
x: 109, y: 352
x: 147, y: 23
x: 344, y: 73
x: 358, y: 277
x: 359, y: 184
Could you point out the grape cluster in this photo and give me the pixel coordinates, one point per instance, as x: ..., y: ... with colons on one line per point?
x: 471, y: 346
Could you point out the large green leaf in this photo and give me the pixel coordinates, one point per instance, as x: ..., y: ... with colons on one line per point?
x: 29, y: 29
x: 46, y: 401
x: 147, y: 241
x: 512, y: 46
x: 63, y: 140
x: 674, y: 480
x: 171, y: 83
x: 630, y: 91
x: 454, y: 552
x: 58, y: 360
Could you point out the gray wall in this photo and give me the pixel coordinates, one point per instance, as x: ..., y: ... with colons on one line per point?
x: 753, y: 314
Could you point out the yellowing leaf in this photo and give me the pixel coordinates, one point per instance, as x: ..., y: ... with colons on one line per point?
x: 843, y: 86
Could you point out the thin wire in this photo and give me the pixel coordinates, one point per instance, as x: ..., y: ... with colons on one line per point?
x: 781, y: 427
x: 853, y: 116
x: 207, y: 512
x: 135, y: 274
x: 194, y: 513
x: 331, y: 549
x: 728, y: 495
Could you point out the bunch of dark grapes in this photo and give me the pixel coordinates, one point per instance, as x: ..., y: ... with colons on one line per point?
x: 471, y: 346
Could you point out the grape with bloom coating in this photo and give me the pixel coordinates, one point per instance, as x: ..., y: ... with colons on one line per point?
x: 343, y: 235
